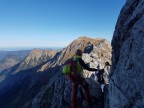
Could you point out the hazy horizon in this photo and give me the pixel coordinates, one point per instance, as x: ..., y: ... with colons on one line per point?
x: 28, y: 48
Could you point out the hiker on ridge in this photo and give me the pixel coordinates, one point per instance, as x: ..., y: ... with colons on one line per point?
x: 77, y: 78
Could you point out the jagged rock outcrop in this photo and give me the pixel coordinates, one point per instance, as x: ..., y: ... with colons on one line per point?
x: 57, y: 93
x: 126, y: 89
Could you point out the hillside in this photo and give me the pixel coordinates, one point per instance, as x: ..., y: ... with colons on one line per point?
x: 11, y: 58
x: 34, y: 58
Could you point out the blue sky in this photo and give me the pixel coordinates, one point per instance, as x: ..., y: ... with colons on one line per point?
x: 56, y: 23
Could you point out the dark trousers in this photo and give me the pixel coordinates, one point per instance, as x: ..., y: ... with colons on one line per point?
x: 75, y: 92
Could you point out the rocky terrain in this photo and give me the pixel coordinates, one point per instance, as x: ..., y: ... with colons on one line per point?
x: 44, y: 86
x: 57, y: 92
x: 126, y: 89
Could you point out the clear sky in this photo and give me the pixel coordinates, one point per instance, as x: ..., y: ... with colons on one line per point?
x: 56, y: 23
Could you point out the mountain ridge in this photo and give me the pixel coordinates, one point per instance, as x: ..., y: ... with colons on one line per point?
x: 58, y: 87
x: 32, y: 82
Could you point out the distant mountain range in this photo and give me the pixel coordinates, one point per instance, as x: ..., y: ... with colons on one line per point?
x: 11, y: 58
x: 37, y: 81
x: 12, y: 64
x: 27, y: 48
x: 20, y: 54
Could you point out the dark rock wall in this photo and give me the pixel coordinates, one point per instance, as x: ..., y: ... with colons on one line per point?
x: 126, y: 88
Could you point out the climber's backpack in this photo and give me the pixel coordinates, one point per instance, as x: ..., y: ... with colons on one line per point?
x: 70, y: 68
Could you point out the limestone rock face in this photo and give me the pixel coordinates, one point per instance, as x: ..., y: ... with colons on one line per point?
x: 126, y: 86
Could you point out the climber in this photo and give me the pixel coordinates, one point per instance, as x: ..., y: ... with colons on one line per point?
x: 100, y: 76
x: 78, y: 79
x: 100, y: 79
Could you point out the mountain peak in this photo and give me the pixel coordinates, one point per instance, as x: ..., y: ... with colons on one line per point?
x: 91, y: 40
x: 88, y: 38
x: 84, y: 43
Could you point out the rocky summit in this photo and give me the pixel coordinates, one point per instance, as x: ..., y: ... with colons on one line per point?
x: 126, y: 89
